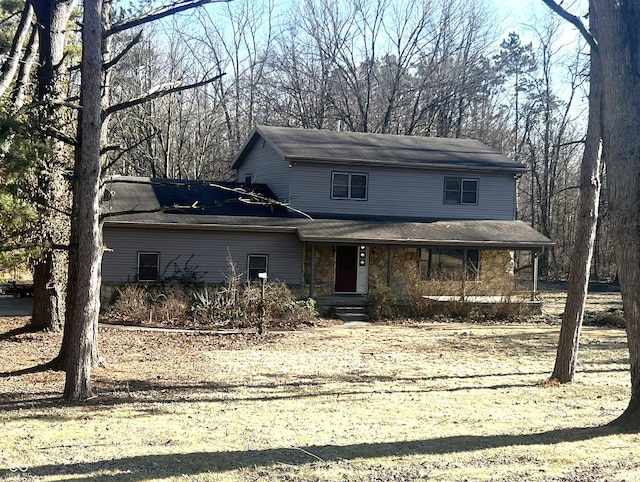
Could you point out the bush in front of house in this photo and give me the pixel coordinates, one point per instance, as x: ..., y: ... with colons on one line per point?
x: 234, y: 304
x: 240, y: 305
x: 382, y: 301
x: 445, y: 298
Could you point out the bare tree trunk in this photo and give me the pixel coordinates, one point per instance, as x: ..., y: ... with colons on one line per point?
x: 620, y: 55
x: 47, y: 311
x: 11, y: 64
x: 48, y: 300
x: 587, y: 222
x: 25, y: 71
x: 85, y: 257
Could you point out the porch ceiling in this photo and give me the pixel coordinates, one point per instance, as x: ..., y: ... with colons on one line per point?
x: 487, y: 234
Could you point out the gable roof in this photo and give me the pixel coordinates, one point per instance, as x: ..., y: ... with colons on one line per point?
x: 311, y: 145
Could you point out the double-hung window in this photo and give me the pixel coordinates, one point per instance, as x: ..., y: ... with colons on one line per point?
x: 348, y: 185
x: 148, y: 266
x: 256, y: 263
x: 458, y: 190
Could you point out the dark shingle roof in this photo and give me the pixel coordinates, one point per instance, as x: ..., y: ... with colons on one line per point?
x: 497, y: 234
x: 191, y: 198
x: 294, y: 144
x: 142, y: 199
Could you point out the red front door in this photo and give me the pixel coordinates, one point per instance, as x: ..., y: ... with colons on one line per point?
x: 346, y: 269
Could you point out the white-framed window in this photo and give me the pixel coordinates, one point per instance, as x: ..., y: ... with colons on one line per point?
x: 349, y: 185
x: 458, y: 190
x: 148, y: 263
x: 256, y: 263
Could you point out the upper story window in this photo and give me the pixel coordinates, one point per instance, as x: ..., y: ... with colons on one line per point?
x: 458, y: 190
x: 347, y: 185
x: 148, y: 266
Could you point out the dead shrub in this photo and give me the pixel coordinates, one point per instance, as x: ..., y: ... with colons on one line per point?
x: 130, y: 304
x: 458, y: 309
x: 451, y: 298
x: 241, y: 305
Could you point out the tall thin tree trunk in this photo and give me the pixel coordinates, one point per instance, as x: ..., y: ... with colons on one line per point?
x: 11, y: 64
x: 85, y: 257
x: 587, y: 222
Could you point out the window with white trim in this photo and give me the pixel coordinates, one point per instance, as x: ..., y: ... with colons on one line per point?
x: 349, y: 185
x: 458, y: 190
x: 148, y: 264
x: 256, y: 263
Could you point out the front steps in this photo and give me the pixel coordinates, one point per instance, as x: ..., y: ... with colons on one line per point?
x: 348, y: 308
x: 351, y: 313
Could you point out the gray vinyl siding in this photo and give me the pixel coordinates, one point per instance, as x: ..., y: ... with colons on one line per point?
x: 403, y: 192
x: 211, y: 250
x: 266, y: 166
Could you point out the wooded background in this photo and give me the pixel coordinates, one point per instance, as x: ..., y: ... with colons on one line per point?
x: 437, y: 68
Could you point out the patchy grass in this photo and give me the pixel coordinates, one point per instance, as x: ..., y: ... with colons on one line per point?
x: 436, y: 402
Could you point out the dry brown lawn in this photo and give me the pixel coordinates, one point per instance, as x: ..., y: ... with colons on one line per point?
x: 417, y: 401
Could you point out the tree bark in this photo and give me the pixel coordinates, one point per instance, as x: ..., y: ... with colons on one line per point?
x: 48, y: 280
x: 619, y: 46
x: 47, y: 312
x: 11, y: 64
x: 83, y: 291
x: 587, y: 221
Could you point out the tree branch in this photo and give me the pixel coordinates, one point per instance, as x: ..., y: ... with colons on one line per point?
x: 154, y: 93
x: 164, y: 11
x: 575, y: 21
x: 250, y: 197
x: 122, y: 151
x: 117, y: 58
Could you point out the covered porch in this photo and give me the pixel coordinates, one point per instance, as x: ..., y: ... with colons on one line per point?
x: 467, y: 258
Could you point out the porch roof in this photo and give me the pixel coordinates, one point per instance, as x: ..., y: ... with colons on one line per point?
x: 480, y: 234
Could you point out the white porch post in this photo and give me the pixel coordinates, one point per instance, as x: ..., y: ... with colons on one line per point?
x: 534, y: 287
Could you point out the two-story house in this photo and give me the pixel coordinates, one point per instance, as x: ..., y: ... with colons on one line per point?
x: 352, y: 208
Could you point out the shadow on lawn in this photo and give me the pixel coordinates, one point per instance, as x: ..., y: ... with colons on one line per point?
x: 144, y: 467
x: 131, y: 392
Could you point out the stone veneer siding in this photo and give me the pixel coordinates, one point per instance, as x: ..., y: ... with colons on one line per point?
x: 497, y: 265
x: 325, y: 266
x: 496, y: 268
